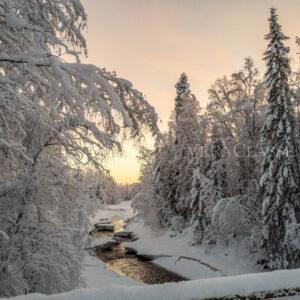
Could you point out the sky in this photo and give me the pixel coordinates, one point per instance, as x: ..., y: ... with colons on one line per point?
x: 151, y: 42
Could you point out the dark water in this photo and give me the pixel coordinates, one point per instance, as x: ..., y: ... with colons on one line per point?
x: 131, y: 265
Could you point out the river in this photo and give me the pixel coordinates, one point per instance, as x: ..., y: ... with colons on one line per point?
x: 124, y: 262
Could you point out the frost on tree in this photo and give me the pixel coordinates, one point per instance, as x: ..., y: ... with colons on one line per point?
x: 187, y: 145
x: 279, y: 181
x: 183, y: 91
x: 164, y: 184
x: 217, y: 168
x: 51, y: 112
x: 144, y: 198
x: 235, y: 113
x: 204, y: 196
x: 173, y: 161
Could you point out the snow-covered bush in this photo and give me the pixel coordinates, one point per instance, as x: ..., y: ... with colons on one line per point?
x: 178, y: 223
x: 233, y: 217
x: 292, y: 241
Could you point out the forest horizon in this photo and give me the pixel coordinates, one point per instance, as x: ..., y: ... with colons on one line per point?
x: 204, y: 39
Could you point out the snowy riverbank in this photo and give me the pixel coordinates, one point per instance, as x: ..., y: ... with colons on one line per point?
x: 106, y: 285
x: 178, y: 255
x: 176, y: 252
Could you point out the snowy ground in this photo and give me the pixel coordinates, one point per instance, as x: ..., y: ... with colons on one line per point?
x: 218, y: 262
x: 123, y: 210
x: 103, y: 284
x: 244, y: 285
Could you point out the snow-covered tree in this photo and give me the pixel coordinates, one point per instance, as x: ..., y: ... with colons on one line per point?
x: 174, y: 160
x: 187, y: 146
x: 216, y: 169
x: 182, y: 91
x: 280, y: 178
x: 295, y: 86
x: 186, y: 114
x: 143, y: 191
x: 235, y: 110
x: 235, y: 218
x: 204, y: 196
x: 164, y: 180
x: 52, y: 107
x: 205, y: 172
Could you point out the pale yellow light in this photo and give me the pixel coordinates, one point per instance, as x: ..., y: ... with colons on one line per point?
x: 124, y: 168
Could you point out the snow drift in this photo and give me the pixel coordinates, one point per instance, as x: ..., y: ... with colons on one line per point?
x: 243, y: 285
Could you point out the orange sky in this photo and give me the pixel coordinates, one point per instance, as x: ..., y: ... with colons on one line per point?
x: 150, y: 42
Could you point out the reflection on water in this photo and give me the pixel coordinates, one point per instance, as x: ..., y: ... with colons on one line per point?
x: 125, y: 264
x: 119, y: 225
x: 144, y: 271
x: 102, y: 234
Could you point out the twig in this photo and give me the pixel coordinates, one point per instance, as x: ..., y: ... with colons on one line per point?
x: 199, y: 261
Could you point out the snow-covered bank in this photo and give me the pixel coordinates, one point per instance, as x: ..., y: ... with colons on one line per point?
x: 179, y: 256
x: 122, y: 210
x: 243, y: 285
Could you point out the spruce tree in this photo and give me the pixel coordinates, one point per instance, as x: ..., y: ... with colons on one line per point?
x: 174, y: 161
x: 164, y: 187
x: 182, y: 91
x: 279, y: 170
x: 187, y: 141
x: 216, y: 170
x: 183, y: 95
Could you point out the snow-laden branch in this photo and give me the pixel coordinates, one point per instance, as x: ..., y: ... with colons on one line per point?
x: 53, y: 114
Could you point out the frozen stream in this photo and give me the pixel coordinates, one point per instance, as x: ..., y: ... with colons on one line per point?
x: 127, y: 263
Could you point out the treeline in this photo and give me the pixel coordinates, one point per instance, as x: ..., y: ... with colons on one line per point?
x: 231, y: 171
